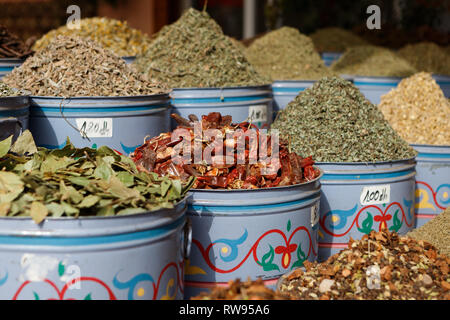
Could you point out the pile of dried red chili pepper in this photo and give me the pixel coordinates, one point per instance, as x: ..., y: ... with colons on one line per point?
x: 161, y: 155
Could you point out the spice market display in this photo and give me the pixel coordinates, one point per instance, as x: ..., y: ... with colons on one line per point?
x: 154, y: 148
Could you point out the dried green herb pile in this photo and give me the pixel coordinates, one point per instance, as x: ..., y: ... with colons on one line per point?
x: 335, y: 39
x: 436, y: 231
x: 427, y: 56
x: 335, y: 122
x: 238, y: 290
x: 372, y: 61
x: 78, y: 182
x: 6, y: 91
x: 400, y: 268
x: 286, y: 54
x: 418, y: 110
x: 76, y: 67
x: 193, y: 52
x: 111, y: 34
x: 11, y: 46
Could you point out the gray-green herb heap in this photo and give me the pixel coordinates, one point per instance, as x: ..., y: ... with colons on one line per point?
x: 76, y: 67
x: 335, y: 39
x: 78, y: 182
x: 193, y: 52
x: 427, y: 56
x: 335, y: 122
x: 286, y: 54
x: 372, y: 61
x: 6, y: 91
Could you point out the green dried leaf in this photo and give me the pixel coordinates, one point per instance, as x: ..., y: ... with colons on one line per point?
x: 38, y: 212
x: 89, y: 201
x: 5, y: 145
x: 24, y: 144
x: 11, y: 186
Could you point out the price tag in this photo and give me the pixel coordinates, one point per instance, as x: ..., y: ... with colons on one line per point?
x: 258, y: 113
x: 96, y: 127
x: 379, y: 194
x: 315, y: 215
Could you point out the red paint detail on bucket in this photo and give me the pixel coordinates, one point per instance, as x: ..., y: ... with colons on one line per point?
x: 432, y: 192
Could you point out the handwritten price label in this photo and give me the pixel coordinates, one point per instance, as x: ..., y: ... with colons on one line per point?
x: 96, y: 127
x: 379, y: 194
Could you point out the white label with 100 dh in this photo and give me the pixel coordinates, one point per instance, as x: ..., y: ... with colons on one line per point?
x: 379, y: 194
x: 96, y: 127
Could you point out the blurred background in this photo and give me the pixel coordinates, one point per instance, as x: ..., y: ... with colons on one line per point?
x: 403, y: 21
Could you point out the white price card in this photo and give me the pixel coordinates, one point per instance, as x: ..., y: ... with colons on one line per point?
x: 95, y: 127
x: 379, y: 194
x: 258, y: 113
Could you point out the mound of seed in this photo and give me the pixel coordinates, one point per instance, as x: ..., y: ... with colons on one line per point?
x: 418, y: 110
x: 335, y: 122
x: 381, y: 266
x: 436, y: 232
x: 286, y: 54
x: 6, y: 91
x: 111, y: 34
x: 427, y: 56
x: 193, y: 52
x: 76, y: 67
x: 372, y: 61
x: 335, y: 39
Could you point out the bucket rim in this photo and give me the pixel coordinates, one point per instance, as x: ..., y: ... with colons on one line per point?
x: 21, y: 60
x: 176, y: 206
x: 261, y: 86
x: 294, y: 81
x: 264, y: 189
x: 367, y: 163
x: 430, y: 145
x: 158, y: 95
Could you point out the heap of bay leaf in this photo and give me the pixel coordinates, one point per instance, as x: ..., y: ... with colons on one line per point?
x: 73, y: 182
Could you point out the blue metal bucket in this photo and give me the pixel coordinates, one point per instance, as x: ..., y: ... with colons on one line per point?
x: 242, y: 103
x: 330, y: 57
x: 123, y: 257
x: 286, y: 91
x: 250, y: 233
x: 129, y: 59
x: 374, y: 87
x: 444, y: 83
x: 432, y: 181
x: 8, y: 64
x: 118, y: 122
x: 14, y: 115
x: 357, y: 198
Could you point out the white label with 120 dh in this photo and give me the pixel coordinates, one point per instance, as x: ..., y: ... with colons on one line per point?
x: 95, y: 127
x: 379, y: 194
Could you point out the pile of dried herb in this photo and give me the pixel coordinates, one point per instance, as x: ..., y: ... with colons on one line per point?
x: 193, y: 52
x: 286, y: 54
x: 111, y: 34
x: 427, y: 56
x: 237, y: 290
x: 74, y: 182
x: 436, y: 231
x: 11, y: 46
x: 418, y: 110
x: 381, y: 266
x: 333, y: 121
x: 76, y: 67
x: 6, y: 91
x: 372, y: 61
x: 235, y: 163
x: 335, y: 39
